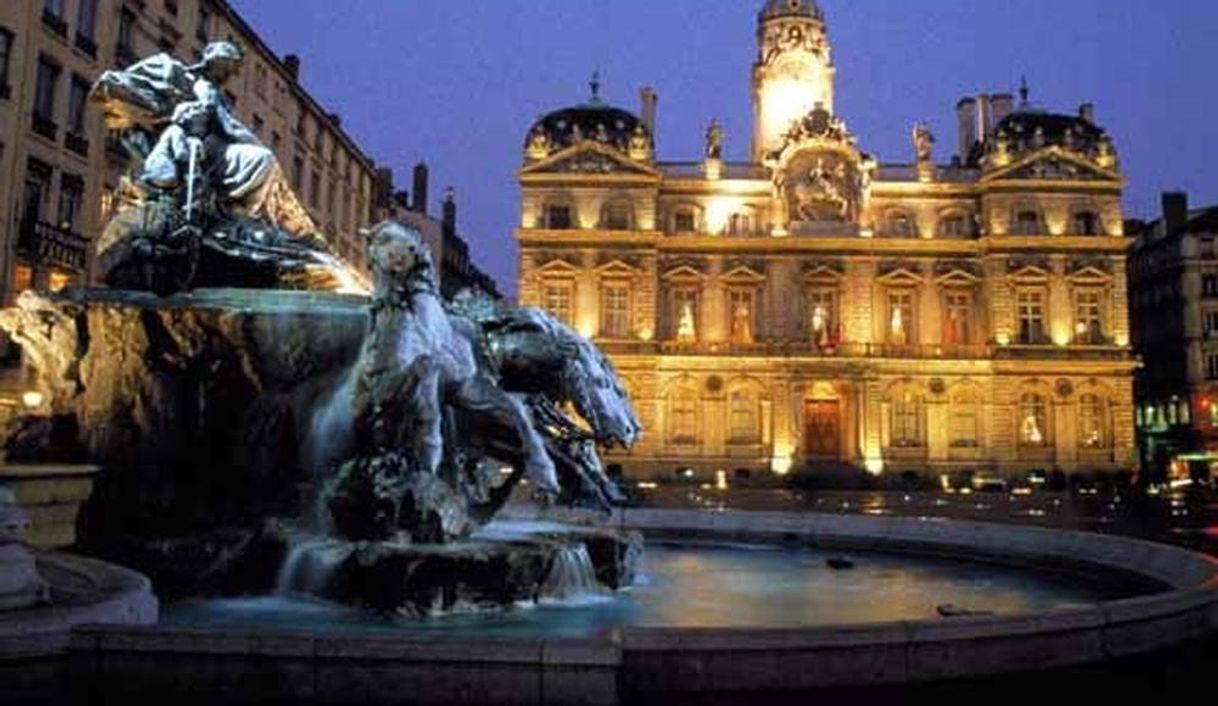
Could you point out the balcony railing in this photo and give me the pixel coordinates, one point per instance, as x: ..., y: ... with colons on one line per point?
x: 807, y: 349
x: 76, y: 143
x: 55, y: 23
x: 44, y: 126
x: 49, y: 244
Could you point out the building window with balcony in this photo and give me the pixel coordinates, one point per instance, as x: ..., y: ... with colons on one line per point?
x: 52, y: 17
x: 615, y: 310
x: 78, y: 95
x: 71, y: 195
x: 1209, y: 285
x: 900, y: 320
x: 6, y: 53
x: 1088, y: 317
x: 1210, y: 323
x: 1027, y: 221
x: 37, y: 191
x: 557, y: 216
x: 1085, y: 223
x: 957, y: 318
x: 1030, y: 308
x: 556, y: 299
x: 86, y: 27
x: 683, y: 314
x: 742, y: 224
x: 963, y: 428
x: 1211, y: 369
x: 47, y: 83
x: 1093, y: 422
x: 617, y: 215
x: 315, y: 187
x: 907, y: 427
x: 744, y: 418
x: 820, y: 307
x: 1033, y: 421
x: 741, y: 314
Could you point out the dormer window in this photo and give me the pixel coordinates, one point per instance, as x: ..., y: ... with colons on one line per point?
x: 1027, y: 222
x: 617, y: 215
x: 1085, y: 223
x: 558, y: 217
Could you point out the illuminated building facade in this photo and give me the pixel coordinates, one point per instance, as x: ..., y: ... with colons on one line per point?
x: 817, y: 306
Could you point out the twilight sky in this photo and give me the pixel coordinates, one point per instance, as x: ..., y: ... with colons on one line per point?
x: 458, y: 83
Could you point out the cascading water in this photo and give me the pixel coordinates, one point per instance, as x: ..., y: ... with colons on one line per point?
x: 572, y: 576
x: 309, y: 565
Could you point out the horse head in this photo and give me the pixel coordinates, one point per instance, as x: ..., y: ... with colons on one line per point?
x: 593, y: 387
x: 400, y: 260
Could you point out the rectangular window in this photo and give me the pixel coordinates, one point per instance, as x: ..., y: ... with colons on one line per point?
x: 1209, y: 285
x: 900, y: 316
x: 1211, y: 324
x: 1031, y: 312
x: 78, y: 95
x: 203, y: 27
x: 556, y: 299
x: 126, y: 32
x: 1211, y: 368
x: 37, y: 191
x: 684, y: 222
x: 957, y: 318
x: 6, y: 52
x: 297, y: 174
x: 44, y: 90
x: 258, y: 125
x: 86, y: 19
x: 171, y: 6
x: 617, y: 217
x: 315, y: 188
x: 615, y: 310
x: 821, y: 308
x: 684, y: 314
x: 683, y: 419
x: 954, y: 227
x: 963, y: 424
x: 741, y: 315
x: 1033, y: 421
x: 71, y: 194
x: 1088, y: 317
x: 907, y: 422
x: 1026, y: 223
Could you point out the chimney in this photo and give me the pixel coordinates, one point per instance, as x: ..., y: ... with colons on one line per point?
x: 648, y: 98
x: 985, y: 117
x: 1175, y: 211
x: 449, y: 221
x: 291, y: 62
x: 1002, y: 105
x: 966, y: 115
x: 1086, y: 111
x: 419, y: 205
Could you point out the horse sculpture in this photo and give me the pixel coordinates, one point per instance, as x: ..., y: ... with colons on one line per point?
x: 442, y: 393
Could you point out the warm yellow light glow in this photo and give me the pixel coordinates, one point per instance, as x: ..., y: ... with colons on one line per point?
x: 32, y: 399
x: 787, y: 98
x: 720, y: 479
x: 719, y: 211
x: 1003, y: 338
x: 1061, y: 338
x: 781, y: 465
x: 646, y: 334
x: 874, y: 465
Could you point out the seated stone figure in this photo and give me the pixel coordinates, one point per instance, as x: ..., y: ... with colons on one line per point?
x: 205, y: 203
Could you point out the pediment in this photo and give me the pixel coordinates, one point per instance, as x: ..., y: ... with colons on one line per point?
x: 1052, y: 164
x: 822, y: 272
x: 1089, y: 275
x: 743, y: 273
x: 899, y: 273
x: 591, y: 158
x: 618, y: 267
x: 957, y: 278
x: 684, y: 272
x: 558, y: 264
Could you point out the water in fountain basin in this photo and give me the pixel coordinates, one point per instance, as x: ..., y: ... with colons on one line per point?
x: 309, y: 565
x: 571, y: 578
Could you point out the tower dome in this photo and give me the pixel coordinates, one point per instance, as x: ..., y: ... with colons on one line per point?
x: 775, y: 9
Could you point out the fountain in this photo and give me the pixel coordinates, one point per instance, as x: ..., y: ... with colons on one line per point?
x: 345, y: 465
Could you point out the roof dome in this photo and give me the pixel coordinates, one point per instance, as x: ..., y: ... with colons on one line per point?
x: 594, y: 120
x: 1050, y: 128
x: 775, y: 9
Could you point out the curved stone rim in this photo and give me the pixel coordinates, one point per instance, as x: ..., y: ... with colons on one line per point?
x: 663, y: 659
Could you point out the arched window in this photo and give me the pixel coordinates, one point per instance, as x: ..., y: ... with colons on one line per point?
x: 1034, y: 430
x: 744, y: 417
x: 963, y: 427
x: 617, y: 215
x: 1093, y: 430
x: 682, y: 404
x: 907, y: 424
x: 956, y: 225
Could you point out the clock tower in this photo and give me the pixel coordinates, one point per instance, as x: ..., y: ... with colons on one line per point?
x: 793, y: 73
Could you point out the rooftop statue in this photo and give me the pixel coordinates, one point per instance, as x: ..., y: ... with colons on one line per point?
x: 205, y: 203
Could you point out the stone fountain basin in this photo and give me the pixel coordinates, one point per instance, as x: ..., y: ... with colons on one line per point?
x: 642, y: 660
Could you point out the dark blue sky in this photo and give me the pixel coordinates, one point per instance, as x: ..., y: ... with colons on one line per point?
x: 457, y: 83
